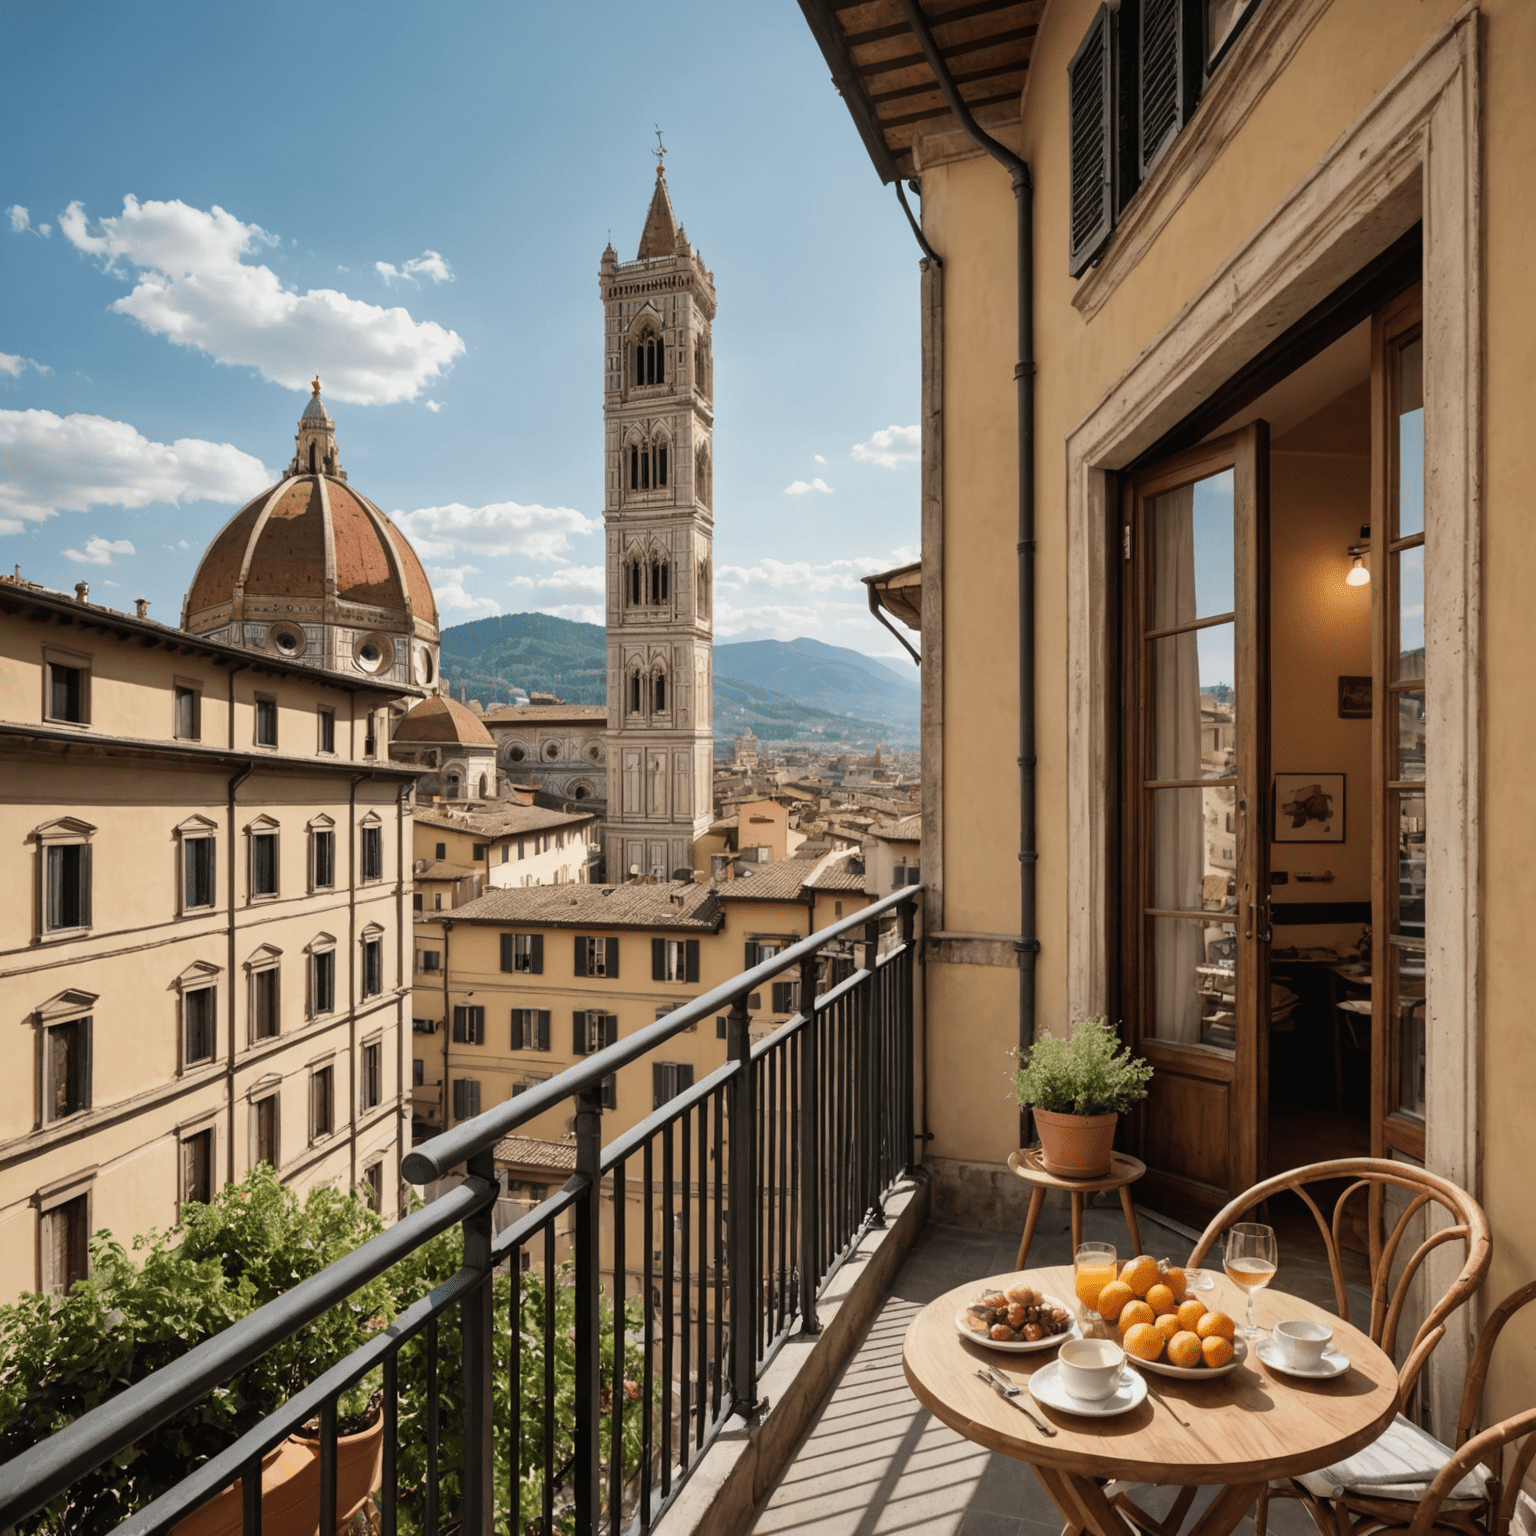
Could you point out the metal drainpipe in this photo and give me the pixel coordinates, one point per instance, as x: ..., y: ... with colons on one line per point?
x: 1028, y: 945
x: 234, y: 994
x: 442, y: 1097
x: 402, y: 1054
x: 357, y: 778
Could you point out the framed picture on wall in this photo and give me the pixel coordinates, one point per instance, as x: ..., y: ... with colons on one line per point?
x: 1354, y: 698
x: 1309, y: 807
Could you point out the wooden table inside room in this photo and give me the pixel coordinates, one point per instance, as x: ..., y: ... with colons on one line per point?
x: 1243, y: 1429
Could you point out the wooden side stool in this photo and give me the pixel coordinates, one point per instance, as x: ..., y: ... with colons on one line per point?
x: 1029, y: 1165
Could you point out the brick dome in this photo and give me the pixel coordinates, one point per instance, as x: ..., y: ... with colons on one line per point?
x: 442, y: 719
x: 312, y: 570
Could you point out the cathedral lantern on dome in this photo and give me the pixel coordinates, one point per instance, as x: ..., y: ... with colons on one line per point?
x: 313, y: 571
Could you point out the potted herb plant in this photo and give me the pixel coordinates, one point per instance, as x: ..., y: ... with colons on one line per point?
x: 1078, y: 1088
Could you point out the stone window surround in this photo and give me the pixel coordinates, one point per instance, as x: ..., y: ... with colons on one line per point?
x: 62, y: 830
x: 83, y: 662
x: 206, y: 829
x: 199, y: 976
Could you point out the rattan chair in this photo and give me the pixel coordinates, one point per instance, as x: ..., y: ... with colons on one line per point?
x: 1330, y: 1502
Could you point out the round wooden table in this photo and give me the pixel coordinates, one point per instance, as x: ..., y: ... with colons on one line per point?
x: 1029, y: 1164
x: 1244, y: 1429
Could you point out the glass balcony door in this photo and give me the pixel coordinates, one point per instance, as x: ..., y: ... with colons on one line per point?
x: 1195, y: 961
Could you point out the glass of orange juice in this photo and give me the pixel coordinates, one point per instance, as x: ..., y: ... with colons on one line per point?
x: 1250, y: 1260
x: 1094, y: 1266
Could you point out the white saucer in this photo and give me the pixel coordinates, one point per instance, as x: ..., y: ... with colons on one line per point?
x: 1046, y: 1389
x: 1334, y: 1362
x: 1023, y: 1346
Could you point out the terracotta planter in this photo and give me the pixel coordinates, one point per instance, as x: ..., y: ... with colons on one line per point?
x: 1076, y: 1146
x: 290, y: 1488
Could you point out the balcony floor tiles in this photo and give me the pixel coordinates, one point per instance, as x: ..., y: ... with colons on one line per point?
x: 876, y: 1463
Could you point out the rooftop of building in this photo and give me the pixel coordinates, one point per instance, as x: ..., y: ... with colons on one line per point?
x: 789, y: 879
x: 501, y: 820
x: 908, y: 830
x: 443, y: 869
x: 442, y: 719
x: 543, y: 714
x: 535, y: 1152
x: 676, y: 904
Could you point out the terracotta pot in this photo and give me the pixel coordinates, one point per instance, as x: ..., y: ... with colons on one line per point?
x: 1076, y: 1146
x: 290, y: 1488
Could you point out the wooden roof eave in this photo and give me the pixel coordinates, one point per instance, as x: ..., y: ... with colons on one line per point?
x: 828, y: 33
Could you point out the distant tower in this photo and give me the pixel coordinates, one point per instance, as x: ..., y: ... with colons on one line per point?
x: 658, y: 420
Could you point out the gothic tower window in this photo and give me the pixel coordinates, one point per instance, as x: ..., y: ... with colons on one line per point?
x: 634, y: 691
x: 661, y: 464
x: 313, y: 457
x: 634, y: 467
x: 660, y: 580
x: 650, y: 360
x: 635, y: 581
x: 659, y: 692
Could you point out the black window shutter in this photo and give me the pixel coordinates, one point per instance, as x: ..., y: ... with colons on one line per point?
x: 581, y: 956
x: 543, y: 1035
x: 536, y: 959
x: 1169, y: 47
x: 85, y: 885
x: 658, y: 959
x: 459, y: 1015
x: 659, y: 1084
x: 609, y: 1092
x: 506, y: 951
x: 781, y: 996
x: 519, y: 1029
x: 693, y: 960
x: 1090, y: 98
x: 752, y: 955
x: 84, y: 1037
x: 460, y: 1097
x: 579, y: 1032
x: 613, y: 958
x: 684, y: 1076
x: 611, y: 1029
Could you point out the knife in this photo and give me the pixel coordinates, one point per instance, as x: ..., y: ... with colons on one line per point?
x: 1009, y: 1393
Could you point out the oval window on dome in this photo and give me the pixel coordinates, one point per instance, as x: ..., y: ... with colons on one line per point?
x: 552, y: 750
x: 425, y: 671
x: 516, y: 753
x: 373, y: 653
x: 286, y: 639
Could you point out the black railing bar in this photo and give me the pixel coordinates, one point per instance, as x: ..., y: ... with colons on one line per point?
x: 659, y: 1505
x: 865, y: 1226
x: 45, y: 1470
x: 659, y: 1119
x: 520, y: 1231
x: 434, y: 1158
x: 220, y: 1471
x: 823, y: 1000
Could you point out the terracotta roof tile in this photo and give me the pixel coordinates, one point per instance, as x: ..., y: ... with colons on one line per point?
x: 503, y: 820
x: 442, y: 719
x: 672, y: 904
x: 533, y: 1152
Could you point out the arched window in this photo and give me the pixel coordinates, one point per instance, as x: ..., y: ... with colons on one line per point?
x: 634, y: 692
x: 635, y: 578
x: 659, y: 692
x: 660, y: 581
x: 453, y: 786
x: 482, y: 786
x: 650, y: 359
x: 313, y: 457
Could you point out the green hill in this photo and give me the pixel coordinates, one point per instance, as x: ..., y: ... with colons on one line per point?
x: 539, y: 653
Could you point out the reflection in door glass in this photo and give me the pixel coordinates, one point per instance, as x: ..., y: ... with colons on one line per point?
x: 1193, y: 715
x: 1194, y: 849
x: 1194, y: 982
x: 1410, y: 734
x: 1192, y: 552
x: 1410, y: 866
x: 1410, y: 1030
x: 1410, y: 612
x: 1410, y: 439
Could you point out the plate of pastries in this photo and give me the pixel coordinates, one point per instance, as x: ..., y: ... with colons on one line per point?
x: 1018, y: 1319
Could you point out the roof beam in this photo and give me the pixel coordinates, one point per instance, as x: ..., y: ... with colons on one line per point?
x: 900, y: 28
x: 975, y: 45
x: 928, y: 86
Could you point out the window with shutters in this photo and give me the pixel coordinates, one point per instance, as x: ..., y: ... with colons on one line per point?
x: 1091, y: 138
x: 266, y: 721
x: 197, y: 1167
x: 322, y: 858
x: 264, y: 1130
x: 199, y: 1017
x: 442, y: 851
x: 597, y: 957
x: 523, y: 952
x: 198, y: 864
x: 468, y: 1024
x: 373, y: 1186
x: 668, y: 1079
x: 66, y: 687
x: 66, y: 1069
x: 264, y: 860
x: 418, y: 1072
x: 591, y: 1030
x: 326, y: 719
x: 187, y: 711
x: 322, y: 979
x: 371, y: 1076
x: 373, y: 965
x: 786, y: 996
x: 322, y: 1102
x: 430, y: 960
x: 66, y: 1243
x: 530, y: 1029
x: 372, y: 853
x: 466, y: 1098
x: 1224, y: 19
x: 265, y: 1020
x: 65, y: 850
x: 675, y: 960
x: 1169, y: 60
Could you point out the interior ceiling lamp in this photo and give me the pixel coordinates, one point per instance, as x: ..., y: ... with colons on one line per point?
x: 1359, y: 575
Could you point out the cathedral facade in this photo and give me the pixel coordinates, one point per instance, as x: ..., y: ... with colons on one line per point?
x: 658, y: 424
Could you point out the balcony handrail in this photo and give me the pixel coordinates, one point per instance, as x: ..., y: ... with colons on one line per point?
x: 434, y: 1158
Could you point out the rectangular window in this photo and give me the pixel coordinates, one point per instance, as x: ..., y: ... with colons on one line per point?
x: 373, y: 1186
x: 265, y: 1111
x: 68, y: 693
x: 373, y: 1075
x: 67, y: 890
x: 323, y: 982
x: 523, y: 952
x: 608, y: 1091
x: 264, y: 1015
x: 530, y: 1029
x: 373, y: 967
x: 264, y: 864
x: 189, y: 713
x: 66, y: 1069
x: 431, y: 960
x: 323, y: 860
x: 197, y: 1168
x: 468, y: 1025
x: 466, y: 1098
x: 592, y: 1030
x: 442, y: 851
x: 66, y: 1244
x: 786, y: 996
x: 521, y: 848
x: 197, y: 873
x: 480, y: 852
x: 198, y: 1017
x: 322, y: 1115
x: 418, y: 1072
x: 674, y: 960
x: 416, y: 905
x: 721, y: 1024
x: 437, y: 901
x: 370, y: 741
x: 373, y: 853
x: 506, y: 852
x: 327, y: 720
x: 668, y: 1079
x: 266, y: 721
x: 597, y: 957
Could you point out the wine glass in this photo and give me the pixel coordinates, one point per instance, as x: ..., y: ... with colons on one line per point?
x: 1095, y: 1266
x: 1250, y: 1261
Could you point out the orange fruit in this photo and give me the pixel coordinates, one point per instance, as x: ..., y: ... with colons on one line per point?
x: 1112, y: 1298
x: 1184, y: 1349
x: 1168, y: 1325
x: 1190, y: 1313
x: 1161, y: 1300
x: 1216, y: 1325
x: 1133, y: 1313
x: 1140, y: 1274
x: 1144, y: 1341
x: 1174, y: 1279
x: 1217, y: 1351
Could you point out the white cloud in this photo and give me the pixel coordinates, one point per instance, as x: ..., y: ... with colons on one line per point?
x: 428, y: 264
x: 581, y: 613
x: 194, y: 288
x: 52, y: 463
x: 13, y: 364
x: 99, y: 551
x: 890, y: 447
x: 21, y: 222
x: 569, y: 580
x: 800, y: 487
x: 820, y: 458
x: 451, y: 593
x: 434, y: 406
x: 803, y: 575
x: 501, y: 528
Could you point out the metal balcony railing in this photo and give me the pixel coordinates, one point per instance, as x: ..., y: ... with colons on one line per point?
x: 752, y: 1184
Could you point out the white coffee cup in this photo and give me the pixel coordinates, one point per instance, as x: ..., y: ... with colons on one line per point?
x: 1302, y: 1343
x: 1091, y: 1368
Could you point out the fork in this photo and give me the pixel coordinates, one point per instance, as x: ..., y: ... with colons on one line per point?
x: 1005, y: 1388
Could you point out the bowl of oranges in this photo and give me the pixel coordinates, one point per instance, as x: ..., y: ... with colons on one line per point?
x: 1163, y: 1327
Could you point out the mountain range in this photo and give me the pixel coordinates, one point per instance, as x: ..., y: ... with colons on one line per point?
x: 779, y: 689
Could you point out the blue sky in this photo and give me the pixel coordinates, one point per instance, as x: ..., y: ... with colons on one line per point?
x: 207, y: 203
